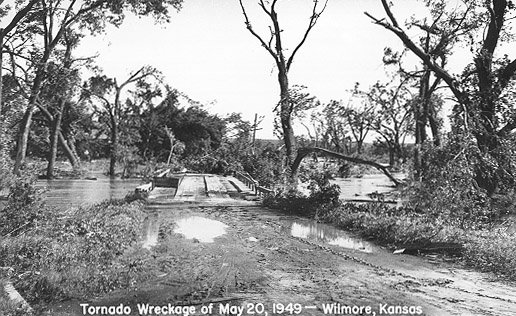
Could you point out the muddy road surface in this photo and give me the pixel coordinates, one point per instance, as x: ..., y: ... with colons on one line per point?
x: 249, y: 260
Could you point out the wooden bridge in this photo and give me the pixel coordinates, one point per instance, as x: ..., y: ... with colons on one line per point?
x: 202, y: 189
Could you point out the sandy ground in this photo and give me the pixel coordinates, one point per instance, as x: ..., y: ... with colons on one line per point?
x: 258, y: 268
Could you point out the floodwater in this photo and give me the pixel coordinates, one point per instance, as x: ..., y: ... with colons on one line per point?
x: 200, y: 228
x: 73, y: 192
x: 81, y: 192
x: 327, y: 234
x: 360, y: 188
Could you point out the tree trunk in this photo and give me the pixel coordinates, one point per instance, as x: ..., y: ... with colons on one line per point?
x: 54, y: 139
x: 303, y: 152
x: 114, y: 148
x: 392, y: 159
x: 70, y: 141
x: 286, y: 117
x: 69, y: 153
x: 23, y: 136
x: 23, y: 139
x: 434, y: 126
x: 359, y: 146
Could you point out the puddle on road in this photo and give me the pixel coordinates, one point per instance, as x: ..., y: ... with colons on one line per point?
x: 151, y: 229
x: 200, y: 228
x: 328, y: 234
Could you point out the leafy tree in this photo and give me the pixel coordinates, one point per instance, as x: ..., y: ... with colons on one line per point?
x: 113, y: 110
x: 47, y: 21
x: 481, y: 108
x: 393, y: 115
x: 334, y: 128
x: 58, y: 89
x: 199, y: 131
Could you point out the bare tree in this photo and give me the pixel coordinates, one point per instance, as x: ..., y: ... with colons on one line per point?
x: 274, y: 46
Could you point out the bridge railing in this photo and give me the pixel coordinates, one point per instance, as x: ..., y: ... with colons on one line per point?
x: 254, y: 185
x: 147, y: 187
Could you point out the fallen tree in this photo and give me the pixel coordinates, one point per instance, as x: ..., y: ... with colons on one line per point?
x: 305, y: 151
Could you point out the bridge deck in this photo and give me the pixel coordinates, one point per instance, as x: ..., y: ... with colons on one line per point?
x: 203, y: 189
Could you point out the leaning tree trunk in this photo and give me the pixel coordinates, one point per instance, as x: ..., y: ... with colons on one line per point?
x: 55, y: 139
x: 23, y: 136
x: 303, y: 152
x: 69, y: 153
x: 23, y: 139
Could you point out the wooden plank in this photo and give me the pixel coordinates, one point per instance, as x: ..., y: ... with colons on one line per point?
x: 214, y: 187
x: 191, y: 188
x: 230, y: 188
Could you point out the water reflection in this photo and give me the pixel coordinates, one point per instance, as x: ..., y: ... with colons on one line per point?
x: 68, y: 192
x: 200, y: 228
x: 329, y: 235
x: 151, y: 229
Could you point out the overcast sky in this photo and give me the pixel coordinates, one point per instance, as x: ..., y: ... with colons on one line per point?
x: 207, y: 53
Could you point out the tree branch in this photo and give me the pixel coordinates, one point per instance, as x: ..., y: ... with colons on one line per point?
x: 19, y: 15
x: 303, y: 152
x: 250, y: 29
x: 427, y: 60
x: 313, y: 20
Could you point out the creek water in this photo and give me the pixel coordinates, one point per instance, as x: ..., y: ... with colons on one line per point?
x: 360, y: 188
x: 80, y: 192
x: 73, y: 192
x: 69, y: 192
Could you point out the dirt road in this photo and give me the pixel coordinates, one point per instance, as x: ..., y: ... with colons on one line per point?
x: 257, y: 266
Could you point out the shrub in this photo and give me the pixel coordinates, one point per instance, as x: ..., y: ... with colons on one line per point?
x: 323, y: 196
x: 24, y: 205
x: 492, y: 250
x: 78, y: 253
x: 448, y: 187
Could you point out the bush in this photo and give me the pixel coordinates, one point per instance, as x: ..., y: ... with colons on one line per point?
x: 492, y: 250
x: 24, y: 207
x: 323, y: 196
x: 78, y: 253
x: 448, y: 187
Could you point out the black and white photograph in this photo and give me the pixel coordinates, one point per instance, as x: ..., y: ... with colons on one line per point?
x: 257, y: 157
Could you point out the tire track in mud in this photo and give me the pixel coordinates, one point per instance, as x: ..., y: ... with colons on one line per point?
x: 438, y: 290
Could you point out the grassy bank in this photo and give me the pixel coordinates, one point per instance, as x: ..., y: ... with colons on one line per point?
x: 77, y: 253
x: 480, y: 241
